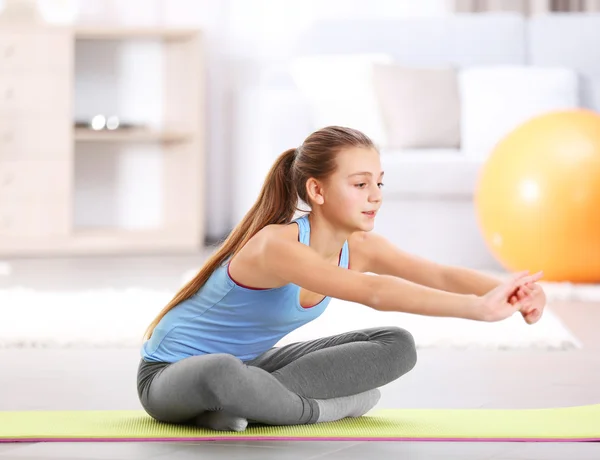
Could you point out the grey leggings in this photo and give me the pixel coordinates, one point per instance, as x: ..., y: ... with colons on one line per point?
x: 280, y: 386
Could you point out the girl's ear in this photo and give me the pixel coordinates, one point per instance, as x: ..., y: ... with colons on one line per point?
x: 314, y: 189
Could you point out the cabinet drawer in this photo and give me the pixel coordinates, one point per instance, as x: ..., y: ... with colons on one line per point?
x: 35, y: 198
x: 14, y: 218
x: 35, y: 50
x: 32, y: 95
x: 34, y: 181
x: 35, y: 219
x: 35, y: 138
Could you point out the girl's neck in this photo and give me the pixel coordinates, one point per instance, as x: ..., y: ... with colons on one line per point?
x: 325, y: 239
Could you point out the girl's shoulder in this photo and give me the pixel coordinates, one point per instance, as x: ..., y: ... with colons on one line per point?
x: 288, y: 231
x: 255, y: 244
x: 250, y: 266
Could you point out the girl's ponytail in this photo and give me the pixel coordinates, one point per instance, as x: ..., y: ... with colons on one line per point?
x: 276, y: 204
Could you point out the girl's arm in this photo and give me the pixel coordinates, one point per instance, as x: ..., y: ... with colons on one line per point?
x: 376, y: 254
x: 370, y: 252
x: 294, y: 262
x: 467, y: 281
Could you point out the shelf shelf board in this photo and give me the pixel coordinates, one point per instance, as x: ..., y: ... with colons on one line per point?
x: 92, y: 241
x: 121, y: 33
x: 131, y: 135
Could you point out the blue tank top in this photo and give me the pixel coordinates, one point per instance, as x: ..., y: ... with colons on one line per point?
x: 226, y: 317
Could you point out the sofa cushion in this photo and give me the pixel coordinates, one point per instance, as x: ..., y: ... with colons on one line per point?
x: 497, y: 99
x: 420, y: 106
x: 431, y: 173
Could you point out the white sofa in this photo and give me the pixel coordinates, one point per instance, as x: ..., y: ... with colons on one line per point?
x: 428, y: 207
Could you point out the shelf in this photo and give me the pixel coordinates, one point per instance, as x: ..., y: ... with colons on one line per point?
x: 131, y: 135
x: 118, y: 33
x: 88, y: 242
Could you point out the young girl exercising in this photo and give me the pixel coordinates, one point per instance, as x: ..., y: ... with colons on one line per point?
x: 209, y: 356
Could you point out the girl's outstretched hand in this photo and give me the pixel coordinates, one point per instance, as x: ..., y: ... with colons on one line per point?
x: 534, y: 299
x: 496, y: 305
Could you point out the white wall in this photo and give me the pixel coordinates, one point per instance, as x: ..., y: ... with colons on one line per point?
x: 235, y: 30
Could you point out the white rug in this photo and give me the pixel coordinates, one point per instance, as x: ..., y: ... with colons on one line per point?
x: 118, y: 318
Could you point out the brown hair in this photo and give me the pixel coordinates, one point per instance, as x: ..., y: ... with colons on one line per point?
x: 278, y: 198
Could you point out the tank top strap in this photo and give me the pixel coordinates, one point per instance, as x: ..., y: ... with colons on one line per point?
x: 303, y: 229
x: 304, y: 238
x: 345, y: 257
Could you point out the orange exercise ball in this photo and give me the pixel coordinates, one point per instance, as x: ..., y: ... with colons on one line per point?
x: 537, y: 198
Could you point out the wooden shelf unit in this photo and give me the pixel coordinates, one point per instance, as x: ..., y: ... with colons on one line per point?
x: 38, y: 144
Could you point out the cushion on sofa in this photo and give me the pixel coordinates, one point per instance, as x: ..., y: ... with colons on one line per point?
x: 497, y: 99
x: 569, y: 40
x: 420, y: 106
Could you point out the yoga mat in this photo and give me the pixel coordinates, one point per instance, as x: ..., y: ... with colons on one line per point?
x: 562, y: 424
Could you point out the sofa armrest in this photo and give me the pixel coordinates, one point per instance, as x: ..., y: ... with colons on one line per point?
x: 430, y: 174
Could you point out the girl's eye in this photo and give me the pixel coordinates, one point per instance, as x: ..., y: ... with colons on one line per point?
x: 380, y: 184
x: 360, y: 185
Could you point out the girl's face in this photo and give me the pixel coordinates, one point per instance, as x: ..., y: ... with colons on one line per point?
x: 352, y: 195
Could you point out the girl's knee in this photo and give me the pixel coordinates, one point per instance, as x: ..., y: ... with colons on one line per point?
x: 191, y: 386
x: 403, y: 350
x: 217, y: 373
x: 217, y: 368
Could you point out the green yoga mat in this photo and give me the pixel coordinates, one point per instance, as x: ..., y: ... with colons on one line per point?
x: 561, y: 424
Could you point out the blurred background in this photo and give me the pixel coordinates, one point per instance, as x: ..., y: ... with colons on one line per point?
x: 136, y: 134
x: 147, y: 126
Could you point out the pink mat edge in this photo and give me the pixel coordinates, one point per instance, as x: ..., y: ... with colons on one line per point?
x: 274, y: 438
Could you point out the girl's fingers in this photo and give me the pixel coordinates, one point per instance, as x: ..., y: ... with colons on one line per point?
x: 519, y: 279
x: 515, y: 281
x: 533, y: 278
x: 530, y: 289
x: 533, y: 316
x: 536, y: 289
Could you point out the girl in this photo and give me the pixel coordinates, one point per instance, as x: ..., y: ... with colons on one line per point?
x: 208, y: 357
